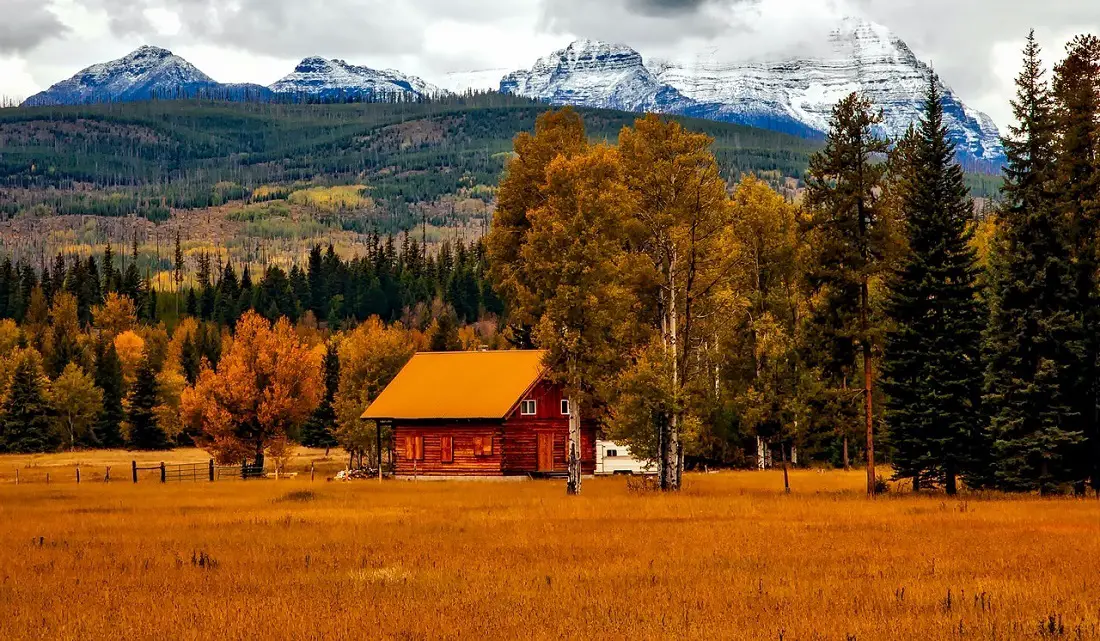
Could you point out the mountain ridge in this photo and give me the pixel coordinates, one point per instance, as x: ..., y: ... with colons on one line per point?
x: 794, y: 95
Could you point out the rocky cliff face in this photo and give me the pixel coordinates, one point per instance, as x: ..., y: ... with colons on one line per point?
x: 590, y: 73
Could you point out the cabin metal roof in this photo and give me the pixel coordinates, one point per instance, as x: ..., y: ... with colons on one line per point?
x: 459, y: 385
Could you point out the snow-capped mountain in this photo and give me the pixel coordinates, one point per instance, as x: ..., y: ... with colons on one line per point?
x: 795, y: 96
x: 145, y: 72
x: 589, y: 73
x: 322, y: 77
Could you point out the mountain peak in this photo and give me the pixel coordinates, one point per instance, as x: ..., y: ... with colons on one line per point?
x: 149, y: 51
x: 323, y: 77
x: 863, y: 39
x: 141, y: 74
x: 596, y: 74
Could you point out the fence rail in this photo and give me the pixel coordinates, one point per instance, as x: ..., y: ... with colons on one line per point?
x: 145, y: 472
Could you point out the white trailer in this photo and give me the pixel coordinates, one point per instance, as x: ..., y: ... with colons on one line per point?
x: 613, y: 458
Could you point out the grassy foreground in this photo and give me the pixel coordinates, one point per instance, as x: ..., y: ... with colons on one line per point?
x: 731, y: 558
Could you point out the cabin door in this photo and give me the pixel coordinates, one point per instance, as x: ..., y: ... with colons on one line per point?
x: 546, y: 452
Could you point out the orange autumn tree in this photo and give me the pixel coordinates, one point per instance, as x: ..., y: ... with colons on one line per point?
x: 266, y: 384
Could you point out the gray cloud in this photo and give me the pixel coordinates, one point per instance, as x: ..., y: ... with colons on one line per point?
x: 27, y: 24
x: 666, y: 7
x: 636, y: 22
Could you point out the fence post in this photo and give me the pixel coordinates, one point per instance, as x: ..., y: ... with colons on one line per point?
x: 133, y: 467
x: 47, y: 478
x: 107, y: 477
x: 311, y: 472
x: 211, y: 470
x: 78, y: 475
x: 17, y: 476
x: 163, y: 476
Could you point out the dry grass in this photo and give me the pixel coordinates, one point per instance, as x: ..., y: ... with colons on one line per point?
x: 93, y: 464
x: 729, y: 558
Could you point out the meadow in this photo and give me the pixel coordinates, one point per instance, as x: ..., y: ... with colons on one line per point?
x: 730, y: 557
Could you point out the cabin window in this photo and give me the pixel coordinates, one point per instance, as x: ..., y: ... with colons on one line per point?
x: 446, y: 449
x: 565, y: 407
x: 414, y: 448
x: 527, y: 408
x: 611, y: 453
x: 483, y: 446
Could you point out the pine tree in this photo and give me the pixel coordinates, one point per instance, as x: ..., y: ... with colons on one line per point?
x: 1076, y: 91
x: 444, y: 334
x: 931, y: 365
x: 317, y: 431
x: 108, y: 377
x: 110, y: 275
x: 852, y: 238
x: 178, y: 268
x: 145, y: 432
x: 192, y: 303
x: 25, y: 425
x: 1034, y: 339
x: 149, y: 307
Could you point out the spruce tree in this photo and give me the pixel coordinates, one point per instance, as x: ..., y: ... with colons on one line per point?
x: 25, y: 424
x: 851, y: 238
x: 145, y: 432
x: 931, y: 365
x: 1076, y: 92
x: 444, y: 335
x: 108, y: 377
x: 1034, y: 340
x: 317, y: 431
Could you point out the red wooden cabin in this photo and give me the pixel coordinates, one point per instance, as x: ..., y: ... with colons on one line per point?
x: 489, y: 413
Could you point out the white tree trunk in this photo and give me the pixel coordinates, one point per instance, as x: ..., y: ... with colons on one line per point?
x: 671, y: 456
x: 573, y: 483
x: 761, y: 450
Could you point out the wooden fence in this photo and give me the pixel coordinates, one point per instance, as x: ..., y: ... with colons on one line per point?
x: 206, y: 471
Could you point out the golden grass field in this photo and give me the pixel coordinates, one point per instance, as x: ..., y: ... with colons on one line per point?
x: 731, y: 557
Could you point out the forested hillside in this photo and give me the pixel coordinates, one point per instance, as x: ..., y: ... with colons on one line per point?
x: 144, y: 158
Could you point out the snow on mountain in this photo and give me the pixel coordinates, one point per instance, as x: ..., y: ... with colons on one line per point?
x: 477, y: 80
x: 323, y: 77
x: 145, y: 72
x: 589, y: 73
x: 794, y: 96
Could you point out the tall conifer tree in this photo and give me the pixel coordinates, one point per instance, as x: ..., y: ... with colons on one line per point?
x: 317, y: 431
x: 25, y: 424
x: 108, y: 377
x: 1034, y: 338
x: 931, y: 365
x: 1076, y: 91
x: 145, y: 432
x: 852, y: 238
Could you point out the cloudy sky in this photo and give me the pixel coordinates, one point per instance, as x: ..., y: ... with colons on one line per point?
x: 974, y: 44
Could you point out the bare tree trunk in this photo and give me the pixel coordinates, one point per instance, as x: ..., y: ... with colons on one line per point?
x: 573, y: 483
x: 786, y: 478
x: 844, y: 389
x: 868, y: 409
x: 670, y: 453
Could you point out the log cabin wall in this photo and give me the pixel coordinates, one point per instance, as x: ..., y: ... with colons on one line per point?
x: 521, y: 434
x: 475, y: 449
x: 493, y: 448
